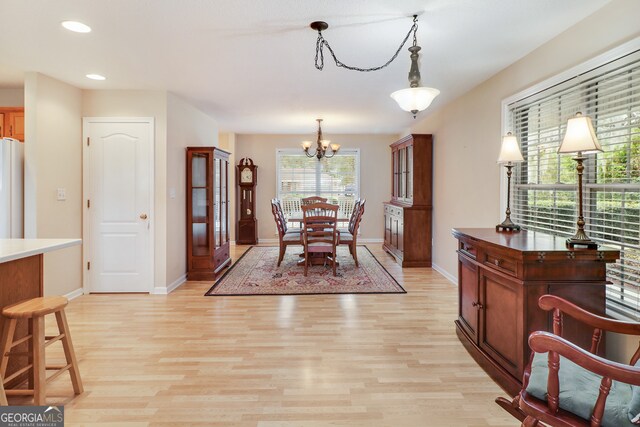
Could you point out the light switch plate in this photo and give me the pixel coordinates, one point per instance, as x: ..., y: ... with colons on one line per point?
x: 62, y: 194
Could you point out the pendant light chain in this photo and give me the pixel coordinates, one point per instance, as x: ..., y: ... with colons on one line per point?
x: 321, y: 43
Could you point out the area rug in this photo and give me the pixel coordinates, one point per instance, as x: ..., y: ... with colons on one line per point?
x: 256, y: 273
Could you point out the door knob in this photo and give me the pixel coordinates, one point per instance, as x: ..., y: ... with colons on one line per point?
x: 143, y: 216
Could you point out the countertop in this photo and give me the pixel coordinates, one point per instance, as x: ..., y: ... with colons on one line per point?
x: 525, y: 241
x: 12, y: 249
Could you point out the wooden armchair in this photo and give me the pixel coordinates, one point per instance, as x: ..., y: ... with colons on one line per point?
x: 312, y: 199
x: 569, y: 386
x: 349, y: 236
x: 320, y: 232
x: 286, y: 237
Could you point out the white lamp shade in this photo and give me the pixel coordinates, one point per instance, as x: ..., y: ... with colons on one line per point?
x: 510, y: 150
x: 325, y: 143
x: 580, y: 136
x: 306, y: 144
x: 335, y: 147
x: 415, y: 98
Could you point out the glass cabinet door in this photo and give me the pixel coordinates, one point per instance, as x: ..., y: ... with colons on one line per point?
x: 217, y: 202
x: 199, y: 204
x: 223, y: 201
x: 402, y: 156
x: 410, y: 172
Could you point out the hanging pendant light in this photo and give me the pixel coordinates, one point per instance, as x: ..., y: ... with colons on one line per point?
x: 415, y: 98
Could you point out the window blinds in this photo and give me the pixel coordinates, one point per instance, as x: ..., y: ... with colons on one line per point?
x: 336, y: 178
x: 544, y: 190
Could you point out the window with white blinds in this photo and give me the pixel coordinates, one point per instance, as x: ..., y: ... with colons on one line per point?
x: 544, y: 188
x: 336, y: 178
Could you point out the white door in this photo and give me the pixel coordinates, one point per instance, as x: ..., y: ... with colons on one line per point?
x: 118, y: 155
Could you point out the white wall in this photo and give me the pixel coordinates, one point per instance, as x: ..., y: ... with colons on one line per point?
x: 135, y: 103
x: 375, y: 171
x: 53, y: 160
x: 13, y: 97
x: 467, y: 131
x: 186, y: 126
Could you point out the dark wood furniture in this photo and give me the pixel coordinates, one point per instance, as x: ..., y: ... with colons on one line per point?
x: 530, y: 409
x: 501, y: 276
x: 207, y: 212
x: 247, y: 178
x: 409, y: 211
x: 320, y: 232
x: 286, y: 237
x: 349, y: 236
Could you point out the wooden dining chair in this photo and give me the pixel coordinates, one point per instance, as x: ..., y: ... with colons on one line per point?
x: 313, y: 199
x: 565, y: 385
x: 349, y: 236
x: 286, y: 236
x: 320, y: 232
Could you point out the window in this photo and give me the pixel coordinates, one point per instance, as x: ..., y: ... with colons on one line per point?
x: 545, y: 184
x: 336, y: 178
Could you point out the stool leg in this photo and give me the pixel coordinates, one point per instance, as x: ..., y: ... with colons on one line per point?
x: 3, y: 395
x: 69, y: 352
x: 39, y: 370
x: 5, y: 346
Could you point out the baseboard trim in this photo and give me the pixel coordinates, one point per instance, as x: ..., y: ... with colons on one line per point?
x: 450, y: 277
x: 370, y: 240
x: 161, y: 290
x: 74, y: 294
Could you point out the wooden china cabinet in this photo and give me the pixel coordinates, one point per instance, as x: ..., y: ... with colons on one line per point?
x: 407, y: 216
x: 207, y: 212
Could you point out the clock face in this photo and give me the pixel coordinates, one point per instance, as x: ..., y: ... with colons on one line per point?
x: 246, y: 176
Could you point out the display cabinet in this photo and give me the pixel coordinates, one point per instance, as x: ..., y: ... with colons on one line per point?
x: 207, y: 212
x: 409, y: 211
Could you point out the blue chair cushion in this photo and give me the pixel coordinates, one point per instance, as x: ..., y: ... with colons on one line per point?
x: 579, y: 390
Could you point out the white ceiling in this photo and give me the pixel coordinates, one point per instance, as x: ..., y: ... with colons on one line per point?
x: 250, y: 63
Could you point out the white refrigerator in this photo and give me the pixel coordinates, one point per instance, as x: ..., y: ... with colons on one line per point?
x: 11, y: 188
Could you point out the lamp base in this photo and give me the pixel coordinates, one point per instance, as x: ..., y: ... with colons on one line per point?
x: 507, y: 225
x: 586, y: 244
x: 580, y: 239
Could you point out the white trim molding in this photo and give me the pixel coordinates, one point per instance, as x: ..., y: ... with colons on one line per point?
x: 450, y: 277
x: 74, y: 294
x: 161, y: 290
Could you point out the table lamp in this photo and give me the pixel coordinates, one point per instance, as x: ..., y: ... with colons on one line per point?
x: 509, y: 155
x: 580, y: 138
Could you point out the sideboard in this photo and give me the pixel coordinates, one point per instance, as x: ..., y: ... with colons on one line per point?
x: 501, y: 275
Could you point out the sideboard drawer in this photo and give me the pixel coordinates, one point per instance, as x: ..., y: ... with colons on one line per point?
x: 501, y: 262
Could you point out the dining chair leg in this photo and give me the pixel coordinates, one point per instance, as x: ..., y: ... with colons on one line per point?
x: 333, y: 261
x: 306, y: 261
x: 283, y: 248
x: 354, y: 252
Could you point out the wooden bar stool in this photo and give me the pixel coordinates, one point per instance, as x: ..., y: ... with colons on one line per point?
x: 34, y: 311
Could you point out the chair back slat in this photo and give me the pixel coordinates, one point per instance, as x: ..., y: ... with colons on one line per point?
x: 553, y: 383
x: 595, y: 340
x: 598, y: 409
x: 320, y: 222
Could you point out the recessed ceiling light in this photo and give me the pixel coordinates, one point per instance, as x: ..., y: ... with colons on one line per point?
x: 96, y: 77
x: 76, y: 27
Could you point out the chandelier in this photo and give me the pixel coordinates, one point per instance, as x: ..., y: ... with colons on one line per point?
x: 322, y: 145
x: 415, y: 98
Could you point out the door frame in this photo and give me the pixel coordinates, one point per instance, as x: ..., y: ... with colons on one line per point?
x: 87, y: 241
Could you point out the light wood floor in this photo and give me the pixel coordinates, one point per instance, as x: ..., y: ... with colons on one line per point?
x: 364, y: 360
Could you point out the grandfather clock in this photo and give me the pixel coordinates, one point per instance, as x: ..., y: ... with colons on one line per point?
x: 247, y: 223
